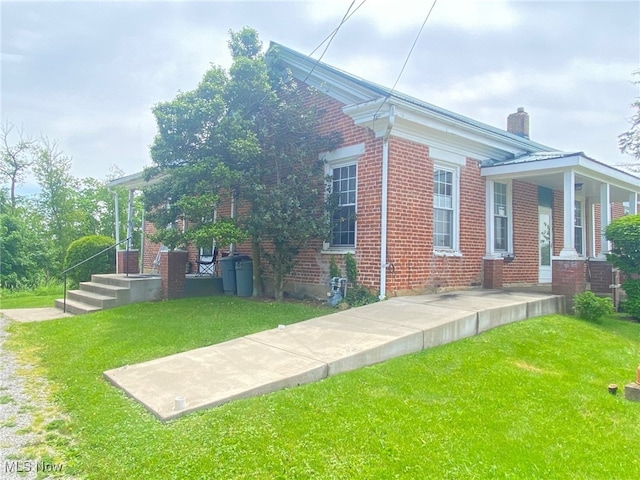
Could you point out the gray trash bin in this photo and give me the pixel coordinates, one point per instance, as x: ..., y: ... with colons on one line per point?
x: 228, y: 269
x: 244, y: 277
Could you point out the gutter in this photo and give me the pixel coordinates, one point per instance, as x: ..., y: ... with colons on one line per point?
x: 383, y: 205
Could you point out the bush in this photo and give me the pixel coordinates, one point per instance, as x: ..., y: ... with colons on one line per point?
x: 590, y: 307
x: 84, y: 248
x: 624, y: 232
x: 632, y: 304
x: 359, y: 296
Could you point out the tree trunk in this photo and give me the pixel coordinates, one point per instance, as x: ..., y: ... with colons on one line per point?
x: 258, y: 291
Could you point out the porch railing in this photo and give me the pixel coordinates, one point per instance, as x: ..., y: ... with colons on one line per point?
x: 64, y: 273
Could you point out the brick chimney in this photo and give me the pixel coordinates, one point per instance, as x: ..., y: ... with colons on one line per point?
x: 518, y: 123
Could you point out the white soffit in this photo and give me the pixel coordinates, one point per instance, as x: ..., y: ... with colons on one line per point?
x: 582, y: 165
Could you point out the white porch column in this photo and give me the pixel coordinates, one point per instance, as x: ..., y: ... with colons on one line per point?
x: 569, y: 248
x: 633, y: 203
x: 130, y: 220
x: 605, y: 218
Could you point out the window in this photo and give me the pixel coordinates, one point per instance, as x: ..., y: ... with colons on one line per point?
x: 500, y: 218
x: 343, y: 232
x: 443, y: 208
x: 578, y: 227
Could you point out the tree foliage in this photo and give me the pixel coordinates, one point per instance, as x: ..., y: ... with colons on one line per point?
x: 15, y: 157
x: 248, y: 134
x: 82, y: 249
x: 629, y: 141
x: 624, y: 233
x: 36, y: 230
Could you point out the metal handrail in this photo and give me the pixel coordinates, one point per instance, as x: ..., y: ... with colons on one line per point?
x: 64, y: 273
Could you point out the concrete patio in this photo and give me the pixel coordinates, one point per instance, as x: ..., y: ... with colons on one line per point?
x: 309, y: 351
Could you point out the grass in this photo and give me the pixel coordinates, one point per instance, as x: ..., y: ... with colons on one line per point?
x: 44, y: 296
x: 528, y: 400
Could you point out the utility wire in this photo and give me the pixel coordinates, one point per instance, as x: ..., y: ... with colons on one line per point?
x: 348, y: 14
x: 408, y: 56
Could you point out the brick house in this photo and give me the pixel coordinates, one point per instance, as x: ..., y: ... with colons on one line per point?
x: 442, y: 201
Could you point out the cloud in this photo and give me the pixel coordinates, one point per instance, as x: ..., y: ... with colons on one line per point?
x: 391, y: 17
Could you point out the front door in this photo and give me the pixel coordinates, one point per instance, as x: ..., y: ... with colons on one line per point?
x: 545, y: 241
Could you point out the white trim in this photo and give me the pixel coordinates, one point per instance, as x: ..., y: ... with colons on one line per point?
x: 490, y: 249
x: 454, y: 250
x: 605, y: 218
x: 633, y: 203
x: 343, y: 153
x: 569, y: 201
x: 583, y: 240
x: 438, y: 154
x: 581, y: 165
x: 342, y: 157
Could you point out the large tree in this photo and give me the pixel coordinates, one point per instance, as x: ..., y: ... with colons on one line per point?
x: 16, y: 157
x: 249, y: 133
x: 57, y: 201
x: 629, y: 141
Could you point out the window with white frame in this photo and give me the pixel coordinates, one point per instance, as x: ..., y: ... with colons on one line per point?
x: 578, y: 227
x: 341, y: 168
x: 444, y: 205
x: 500, y: 217
x: 343, y: 221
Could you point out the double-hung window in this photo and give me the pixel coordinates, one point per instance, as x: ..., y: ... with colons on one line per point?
x: 444, y: 204
x: 341, y: 168
x: 500, y: 217
x: 343, y: 226
x: 578, y: 227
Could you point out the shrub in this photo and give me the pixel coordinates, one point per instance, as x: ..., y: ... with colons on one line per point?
x: 352, y: 268
x: 357, y: 295
x: 360, y: 295
x: 334, y: 270
x: 590, y: 307
x: 84, y: 248
x: 624, y: 233
x: 632, y: 304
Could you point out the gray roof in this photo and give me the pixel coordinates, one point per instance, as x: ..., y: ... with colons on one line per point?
x: 378, y: 91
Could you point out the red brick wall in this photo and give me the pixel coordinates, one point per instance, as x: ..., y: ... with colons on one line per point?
x: 172, y: 274
x: 558, y: 222
x: 524, y: 267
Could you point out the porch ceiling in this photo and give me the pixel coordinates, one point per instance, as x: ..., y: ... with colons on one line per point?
x: 548, y: 172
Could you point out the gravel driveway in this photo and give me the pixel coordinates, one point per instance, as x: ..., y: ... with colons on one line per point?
x: 16, y: 408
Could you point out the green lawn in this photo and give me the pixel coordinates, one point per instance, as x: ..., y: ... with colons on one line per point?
x: 41, y: 297
x: 528, y: 400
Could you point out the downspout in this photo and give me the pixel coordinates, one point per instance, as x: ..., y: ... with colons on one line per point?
x: 383, y: 203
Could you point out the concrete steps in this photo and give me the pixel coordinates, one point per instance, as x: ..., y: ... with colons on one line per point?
x: 102, y: 292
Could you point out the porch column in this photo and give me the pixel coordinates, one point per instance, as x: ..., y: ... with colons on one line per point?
x: 130, y: 220
x: 633, y: 203
x: 569, y: 247
x: 605, y: 218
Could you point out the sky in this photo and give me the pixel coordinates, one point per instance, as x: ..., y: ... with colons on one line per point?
x: 87, y: 73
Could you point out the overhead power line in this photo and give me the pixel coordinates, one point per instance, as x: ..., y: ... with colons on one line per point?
x: 406, y: 61
x: 348, y: 14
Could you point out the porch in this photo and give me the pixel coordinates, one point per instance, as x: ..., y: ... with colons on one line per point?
x: 553, y: 209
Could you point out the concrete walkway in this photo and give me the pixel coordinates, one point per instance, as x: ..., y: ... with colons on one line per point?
x: 24, y: 315
x: 315, y: 349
